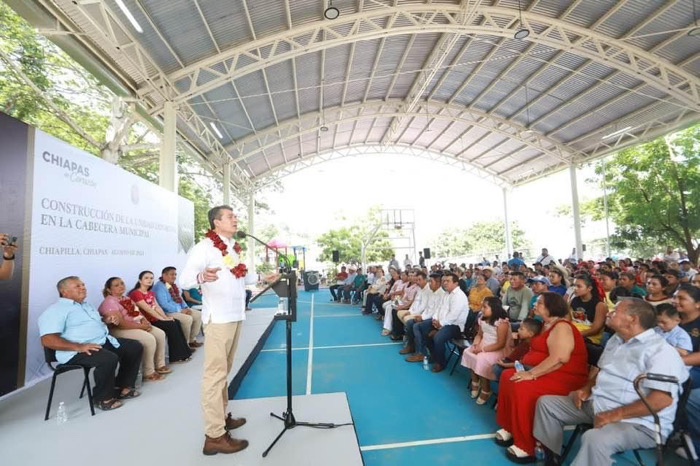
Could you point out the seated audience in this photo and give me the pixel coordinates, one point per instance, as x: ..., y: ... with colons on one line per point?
x: 559, y: 362
x: 408, y: 295
x: 539, y: 285
x: 193, y: 297
x: 348, y: 284
x: 687, y: 302
x: 355, y: 288
x: 446, y: 324
x: 476, y: 297
x: 516, y: 262
x: 394, y: 292
x: 588, y: 309
x: 491, y: 282
x: 169, y: 299
x: 545, y: 258
x: 628, y: 281
x: 492, y: 343
x: 673, y: 278
x: 608, y: 279
x: 558, y: 277
x: 656, y: 290
x: 401, y: 317
x: 687, y: 271
x: 373, y: 297
x: 340, y: 278
x: 434, y: 301
x: 667, y: 325
x: 529, y: 328
x: 517, y: 297
x: 142, y: 295
x: 130, y: 323
x: 75, y: 329
x: 608, y: 400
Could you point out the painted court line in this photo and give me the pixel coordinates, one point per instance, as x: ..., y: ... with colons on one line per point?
x: 466, y: 438
x: 272, y: 350
x: 310, y: 366
x: 357, y: 314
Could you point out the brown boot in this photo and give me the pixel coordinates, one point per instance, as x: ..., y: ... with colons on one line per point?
x: 232, y: 423
x: 407, y: 350
x: 223, y: 444
x: 418, y: 357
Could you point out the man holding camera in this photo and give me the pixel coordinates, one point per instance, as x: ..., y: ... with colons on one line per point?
x: 9, y: 247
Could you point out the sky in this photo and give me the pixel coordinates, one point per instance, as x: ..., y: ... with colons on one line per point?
x: 440, y: 196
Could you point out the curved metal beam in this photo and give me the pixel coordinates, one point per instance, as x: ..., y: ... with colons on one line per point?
x: 212, y: 72
x: 295, y: 166
x: 312, y: 122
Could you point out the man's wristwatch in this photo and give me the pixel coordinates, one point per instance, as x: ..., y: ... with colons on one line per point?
x: 11, y: 258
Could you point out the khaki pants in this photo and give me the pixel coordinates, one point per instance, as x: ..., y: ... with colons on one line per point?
x: 191, y: 324
x: 153, y: 342
x: 405, y: 316
x: 219, y: 348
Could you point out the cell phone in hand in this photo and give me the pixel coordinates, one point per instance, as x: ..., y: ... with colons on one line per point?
x: 13, y: 240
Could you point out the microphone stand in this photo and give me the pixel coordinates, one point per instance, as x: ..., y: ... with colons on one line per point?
x: 286, y: 286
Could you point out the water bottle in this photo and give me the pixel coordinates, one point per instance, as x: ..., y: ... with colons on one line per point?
x: 282, y: 306
x: 539, y: 454
x: 139, y: 380
x: 62, y: 414
x: 426, y: 366
x: 519, y: 366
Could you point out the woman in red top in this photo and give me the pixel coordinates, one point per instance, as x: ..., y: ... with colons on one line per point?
x: 141, y: 294
x: 559, y: 361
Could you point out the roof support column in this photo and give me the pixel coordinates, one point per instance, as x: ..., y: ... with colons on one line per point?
x: 251, y: 227
x: 509, y: 239
x: 168, y: 165
x: 227, y: 183
x: 575, y: 210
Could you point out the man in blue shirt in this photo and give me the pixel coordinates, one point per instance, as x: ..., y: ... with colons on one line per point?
x: 76, y: 331
x: 516, y: 261
x: 170, y: 299
x: 620, y: 419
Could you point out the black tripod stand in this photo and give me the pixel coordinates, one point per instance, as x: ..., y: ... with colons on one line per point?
x: 286, y: 287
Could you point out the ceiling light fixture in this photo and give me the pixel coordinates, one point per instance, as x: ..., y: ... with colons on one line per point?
x: 521, y: 33
x: 323, y: 128
x: 331, y: 12
x: 129, y: 16
x: 216, y: 130
x: 695, y: 30
x: 618, y: 132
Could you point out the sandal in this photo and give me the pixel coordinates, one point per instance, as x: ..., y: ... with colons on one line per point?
x: 518, y: 455
x: 164, y: 370
x: 130, y: 394
x: 154, y: 377
x: 481, y: 400
x: 504, y: 438
x: 385, y: 332
x: 108, y: 405
x: 475, y: 390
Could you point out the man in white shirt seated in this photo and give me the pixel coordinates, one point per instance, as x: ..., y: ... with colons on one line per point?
x: 446, y: 324
x: 608, y: 401
x: 400, y: 317
x: 430, y: 303
x: 545, y: 258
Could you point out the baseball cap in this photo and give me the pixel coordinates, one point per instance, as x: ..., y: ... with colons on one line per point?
x: 539, y: 279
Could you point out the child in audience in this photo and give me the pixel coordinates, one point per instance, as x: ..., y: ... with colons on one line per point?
x: 528, y: 329
x: 667, y: 321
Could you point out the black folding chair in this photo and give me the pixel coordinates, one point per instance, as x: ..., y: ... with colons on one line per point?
x: 50, y: 357
x: 457, y: 347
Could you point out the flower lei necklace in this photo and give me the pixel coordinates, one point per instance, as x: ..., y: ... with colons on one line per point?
x: 238, y: 270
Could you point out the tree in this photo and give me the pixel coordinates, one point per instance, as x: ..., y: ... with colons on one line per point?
x: 82, y: 98
x: 655, y: 193
x: 481, y: 238
x: 452, y: 242
x: 347, y: 240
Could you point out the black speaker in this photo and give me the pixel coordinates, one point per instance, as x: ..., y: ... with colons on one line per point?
x: 426, y: 253
x: 311, y: 280
x: 336, y: 256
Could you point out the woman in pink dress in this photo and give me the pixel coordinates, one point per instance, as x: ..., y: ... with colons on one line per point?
x: 492, y: 343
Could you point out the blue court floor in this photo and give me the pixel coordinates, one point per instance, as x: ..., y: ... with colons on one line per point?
x: 403, y: 414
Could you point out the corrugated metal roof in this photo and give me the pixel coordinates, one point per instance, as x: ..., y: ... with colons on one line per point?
x: 188, y: 56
